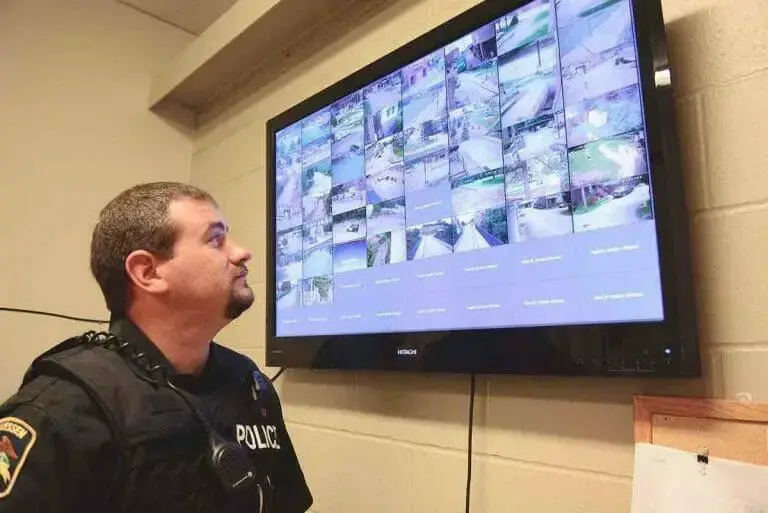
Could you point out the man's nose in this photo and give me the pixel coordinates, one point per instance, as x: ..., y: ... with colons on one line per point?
x: 240, y: 254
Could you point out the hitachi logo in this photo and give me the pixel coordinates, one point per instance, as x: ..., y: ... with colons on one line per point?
x: 407, y: 352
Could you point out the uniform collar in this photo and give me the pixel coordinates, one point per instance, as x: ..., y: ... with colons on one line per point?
x: 131, y: 333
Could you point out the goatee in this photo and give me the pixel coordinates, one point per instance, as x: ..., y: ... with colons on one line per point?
x: 238, y: 304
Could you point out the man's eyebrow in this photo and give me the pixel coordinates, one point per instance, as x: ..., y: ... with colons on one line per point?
x: 217, y: 225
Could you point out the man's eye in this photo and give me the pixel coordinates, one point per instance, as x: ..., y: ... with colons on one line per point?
x: 217, y: 239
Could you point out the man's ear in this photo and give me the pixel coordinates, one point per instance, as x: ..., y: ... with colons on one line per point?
x: 141, y: 267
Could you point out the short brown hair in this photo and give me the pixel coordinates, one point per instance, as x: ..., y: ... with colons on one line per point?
x: 136, y: 219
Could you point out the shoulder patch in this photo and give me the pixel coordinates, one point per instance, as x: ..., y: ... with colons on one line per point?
x: 16, y: 441
x: 259, y: 384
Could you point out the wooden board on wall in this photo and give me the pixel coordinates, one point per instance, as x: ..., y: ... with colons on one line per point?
x: 726, y: 429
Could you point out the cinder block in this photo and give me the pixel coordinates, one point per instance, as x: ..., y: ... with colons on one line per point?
x: 736, y: 124
x: 571, y: 423
x: 319, y: 398
x: 228, y: 159
x: 718, y: 43
x: 420, y: 409
x: 743, y: 373
x: 729, y: 250
x: 225, y: 117
x: 501, y: 486
x: 587, y: 430
x: 674, y: 9
x: 348, y: 473
x: 692, y: 139
x: 713, y: 373
x: 439, y: 481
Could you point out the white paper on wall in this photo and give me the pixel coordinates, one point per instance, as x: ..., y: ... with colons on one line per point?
x: 670, y: 480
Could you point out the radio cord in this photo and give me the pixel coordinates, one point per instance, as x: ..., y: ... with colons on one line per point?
x: 84, y: 319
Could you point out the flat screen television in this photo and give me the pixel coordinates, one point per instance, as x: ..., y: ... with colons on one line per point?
x: 501, y: 195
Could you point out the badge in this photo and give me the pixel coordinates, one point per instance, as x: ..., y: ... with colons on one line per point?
x: 258, y: 386
x: 16, y: 440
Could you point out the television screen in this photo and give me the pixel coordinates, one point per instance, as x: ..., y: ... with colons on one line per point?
x: 501, y: 194
x: 499, y: 181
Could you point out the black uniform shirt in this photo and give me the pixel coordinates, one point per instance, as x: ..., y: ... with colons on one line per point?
x: 57, y: 452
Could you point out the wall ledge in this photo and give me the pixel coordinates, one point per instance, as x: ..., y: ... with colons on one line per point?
x: 247, y: 35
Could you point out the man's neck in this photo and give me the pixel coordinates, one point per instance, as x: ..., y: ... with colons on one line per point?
x: 183, y: 342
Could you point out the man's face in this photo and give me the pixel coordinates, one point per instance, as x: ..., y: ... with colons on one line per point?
x: 207, y: 273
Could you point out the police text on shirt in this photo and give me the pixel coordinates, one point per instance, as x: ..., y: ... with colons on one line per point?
x: 257, y: 437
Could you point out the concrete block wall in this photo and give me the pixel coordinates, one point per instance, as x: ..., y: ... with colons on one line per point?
x: 385, y: 443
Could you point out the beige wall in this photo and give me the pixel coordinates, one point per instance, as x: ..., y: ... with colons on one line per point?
x: 384, y: 443
x: 75, y: 130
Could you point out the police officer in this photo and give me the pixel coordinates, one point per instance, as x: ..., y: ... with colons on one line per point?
x: 152, y: 415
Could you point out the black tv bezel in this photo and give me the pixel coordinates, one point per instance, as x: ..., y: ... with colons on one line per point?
x: 662, y: 349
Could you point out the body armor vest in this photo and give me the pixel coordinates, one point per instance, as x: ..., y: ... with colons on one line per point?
x: 162, y: 466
